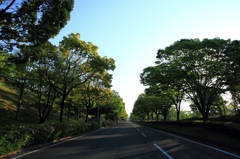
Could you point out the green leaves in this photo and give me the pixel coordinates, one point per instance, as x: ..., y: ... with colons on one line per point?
x: 34, y: 22
x: 197, y: 69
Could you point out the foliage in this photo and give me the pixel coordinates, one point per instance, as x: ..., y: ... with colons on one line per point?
x: 199, y: 70
x: 58, y: 73
x: 141, y: 108
x: 77, y: 64
x: 27, y: 21
x: 107, y: 123
x: 113, y: 107
x: 147, y: 105
x: 15, y: 137
x: 6, y: 69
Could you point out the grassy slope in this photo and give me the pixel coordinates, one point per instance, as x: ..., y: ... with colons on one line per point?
x: 28, y: 112
x: 8, y: 106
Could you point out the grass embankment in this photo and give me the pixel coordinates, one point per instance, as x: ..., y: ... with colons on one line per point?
x: 227, y: 134
x: 28, y: 113
x: 8, y: 106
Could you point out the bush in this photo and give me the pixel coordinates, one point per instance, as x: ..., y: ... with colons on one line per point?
x: 95, y: 125
x: 227, y: 128
x: 107, y: 123
x: 15, y: 137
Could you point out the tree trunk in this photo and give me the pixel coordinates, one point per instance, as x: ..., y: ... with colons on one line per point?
x: 68, y: 112
x: 178, y: 108
x: 157, y: 115
x: 20, y: 100
x: 61, y: 110
x: 86, y: 119
x: 88, y: 107
x: 76, y: 112
x: 205, y: 118
x: 165, y: 116
x: 178, y: 113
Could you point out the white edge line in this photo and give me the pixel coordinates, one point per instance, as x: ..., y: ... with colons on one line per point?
x: 165, y: 153
x: 196, y: 143
x: 52, y: 145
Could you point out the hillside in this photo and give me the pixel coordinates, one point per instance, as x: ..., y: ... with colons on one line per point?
x: 8, y: 106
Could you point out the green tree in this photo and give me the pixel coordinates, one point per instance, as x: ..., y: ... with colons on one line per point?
x: 41, y: 63
x: 154, y: 103
x: 201, y: 67
x: 163, y: 79
x: 27, y: 21
x: 18, y: 77
x: 77, y: 63
x: 141, y: 107
x: 113, y: 107
x: 233, y: 75
x: 218, y: 106
x: 6, y: 68
x: 95, y: 90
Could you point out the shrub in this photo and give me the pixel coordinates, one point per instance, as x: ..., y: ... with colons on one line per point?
x: 95, y: 125
x: 107, y: 123
x: 15, y: 137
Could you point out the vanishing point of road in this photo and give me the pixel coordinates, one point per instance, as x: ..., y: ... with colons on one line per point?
x: 129, y: 141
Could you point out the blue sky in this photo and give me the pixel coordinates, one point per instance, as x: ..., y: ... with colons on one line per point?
x: 131, y: 32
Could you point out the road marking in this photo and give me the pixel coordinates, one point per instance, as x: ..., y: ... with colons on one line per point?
x: 137, y: 129
x: 165, y: 153
x: 53, y: 145
x: 144, y: 135
x: 231, y: 154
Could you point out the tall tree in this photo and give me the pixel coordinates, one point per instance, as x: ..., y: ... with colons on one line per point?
x: 232, y: 73
x: 113, y: 107
x: 201, y: 67
x: 40, y: 64
x: 77, y: 63
x: 96, y: 89
x: 18, y: 77
x: 163, y: 79
x: 141, y: 107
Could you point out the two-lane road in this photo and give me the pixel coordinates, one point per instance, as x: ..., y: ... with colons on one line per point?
x: 129, y: 141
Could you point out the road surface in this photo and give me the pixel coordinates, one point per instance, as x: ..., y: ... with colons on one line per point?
x: 129, y: 141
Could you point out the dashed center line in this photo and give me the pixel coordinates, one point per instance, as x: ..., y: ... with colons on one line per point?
x: 144, y: 135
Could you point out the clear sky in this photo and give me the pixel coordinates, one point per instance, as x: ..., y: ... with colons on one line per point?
x: 131, y: 32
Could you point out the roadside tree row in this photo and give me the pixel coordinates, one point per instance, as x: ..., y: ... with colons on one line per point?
x: 70, y: 76
x: 200, y: 71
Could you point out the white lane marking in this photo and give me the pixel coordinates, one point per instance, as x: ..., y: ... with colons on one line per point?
x: 53, y: 145
x: 231, y: 154
x: 144, y: 135
x: 137, y: 129
x: 165, y: 153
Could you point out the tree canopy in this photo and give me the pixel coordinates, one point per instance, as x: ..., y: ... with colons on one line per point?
x: 32, y: 22
x: 199, y: 70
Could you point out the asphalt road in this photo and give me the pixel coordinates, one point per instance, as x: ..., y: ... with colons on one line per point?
x: 129, y: 141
